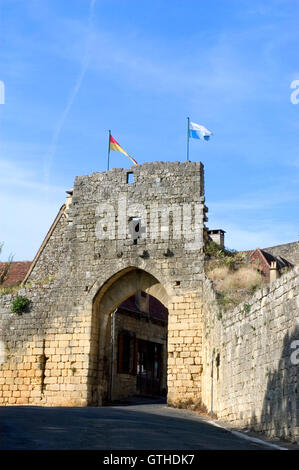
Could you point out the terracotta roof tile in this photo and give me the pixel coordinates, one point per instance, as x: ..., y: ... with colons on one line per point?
x: 16, y: 273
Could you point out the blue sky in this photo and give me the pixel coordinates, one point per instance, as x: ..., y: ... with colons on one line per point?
x: 75, y: 69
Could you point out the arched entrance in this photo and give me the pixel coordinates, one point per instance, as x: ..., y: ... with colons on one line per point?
x: 104, y: 379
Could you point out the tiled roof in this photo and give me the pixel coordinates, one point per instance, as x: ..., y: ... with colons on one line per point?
x: 281, y: 262
x: 268, y: 257
x: 16, y: 273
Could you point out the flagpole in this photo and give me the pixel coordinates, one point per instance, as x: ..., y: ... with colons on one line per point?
x: 188, y: 125
x: 108, y: 151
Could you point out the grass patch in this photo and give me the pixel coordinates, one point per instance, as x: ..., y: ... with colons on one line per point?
x: 190, y: 404
x: 216, y: 256
x: 30, y: 284
x: 233, y: 278
x: 9, y: 290
x: 42, y: 282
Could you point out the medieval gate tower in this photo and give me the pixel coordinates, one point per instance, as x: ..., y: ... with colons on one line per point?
x: 119, y: 233
x: 139, y: 234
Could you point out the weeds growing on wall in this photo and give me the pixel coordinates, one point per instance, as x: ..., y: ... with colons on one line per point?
x: 190, y: 404
x: 20, y: 305
x: 41, y: 282
x: 29, y: 285
x: 234, y: 278
x: 9, y: 290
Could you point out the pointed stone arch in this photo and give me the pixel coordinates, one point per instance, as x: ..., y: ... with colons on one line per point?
x: 110, y: 295
x: 126, y: 283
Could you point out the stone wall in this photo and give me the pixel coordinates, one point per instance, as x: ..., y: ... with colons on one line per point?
x: 185, y: 338
x: 289, y: 251
x: 47, y: 263
x: 255, y: 376
x: 45, y: 360
x: 57, y: 351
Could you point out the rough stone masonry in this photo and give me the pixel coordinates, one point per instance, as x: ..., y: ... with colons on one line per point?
x: 114, y: 238
x: 58, y: 353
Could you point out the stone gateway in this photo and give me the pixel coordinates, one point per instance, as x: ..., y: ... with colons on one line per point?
x: 120, y: 304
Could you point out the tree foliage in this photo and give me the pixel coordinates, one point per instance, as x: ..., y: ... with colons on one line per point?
x: 5, y: 268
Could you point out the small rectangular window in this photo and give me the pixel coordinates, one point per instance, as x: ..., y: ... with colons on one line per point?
x: 130, y: 177
x: 135, y: 228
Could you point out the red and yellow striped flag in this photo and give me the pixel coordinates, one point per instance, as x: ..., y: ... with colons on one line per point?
x: 113, y: 145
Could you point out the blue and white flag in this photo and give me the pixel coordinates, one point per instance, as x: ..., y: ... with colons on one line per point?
x: 199, y: 132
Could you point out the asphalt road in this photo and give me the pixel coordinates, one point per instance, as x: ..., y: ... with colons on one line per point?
x: 140, y: 426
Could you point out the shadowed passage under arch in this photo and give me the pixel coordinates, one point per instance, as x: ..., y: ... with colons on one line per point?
x: 106, y: 326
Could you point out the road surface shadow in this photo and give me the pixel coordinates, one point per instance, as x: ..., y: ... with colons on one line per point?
x: 140, y: 427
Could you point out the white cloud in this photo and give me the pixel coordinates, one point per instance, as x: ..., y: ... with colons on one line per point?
x: 26, y: 222
x: 26, y: 210
x: 13, y: 176
x: 75, y: 90
x: 259, y: 213
x: 257, y: 201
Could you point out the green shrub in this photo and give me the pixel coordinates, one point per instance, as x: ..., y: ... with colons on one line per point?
x: 20, y: 304
x: 247, y: 308
x: 222, y: 256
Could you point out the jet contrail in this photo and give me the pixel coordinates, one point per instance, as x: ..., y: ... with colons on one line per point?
x: 53, y: 147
